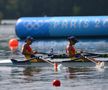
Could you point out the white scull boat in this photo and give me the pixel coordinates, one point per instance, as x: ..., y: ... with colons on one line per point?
x: 67, y: 62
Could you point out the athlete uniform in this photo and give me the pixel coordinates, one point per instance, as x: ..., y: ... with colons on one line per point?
x: 70, y: 50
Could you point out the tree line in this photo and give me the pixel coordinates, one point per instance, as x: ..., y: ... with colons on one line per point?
x: 13, y: 9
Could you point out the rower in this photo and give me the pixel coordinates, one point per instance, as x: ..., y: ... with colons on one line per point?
x: 71, y: 51
x: 70, y: 48
x: 27, y: 50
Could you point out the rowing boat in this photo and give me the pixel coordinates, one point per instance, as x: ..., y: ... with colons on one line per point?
x: 60, y: 59
x: 45, y: 62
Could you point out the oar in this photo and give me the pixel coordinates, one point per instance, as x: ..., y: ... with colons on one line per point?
x: 54, y: 55
x: 35, y: 58
x: 99, y: 64
x: 95, y: 54
x: 55, y: 64
x: 90, y: 59
x: 49, y: 54
x: 42, y: 59
x: 63, y: 55
x: 47, y: 60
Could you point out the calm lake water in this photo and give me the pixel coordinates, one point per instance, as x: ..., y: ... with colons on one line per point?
x: 40, y: 78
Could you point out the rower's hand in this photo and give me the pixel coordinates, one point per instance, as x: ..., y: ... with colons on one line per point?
x: 78, y: 55
x: 35, y: 52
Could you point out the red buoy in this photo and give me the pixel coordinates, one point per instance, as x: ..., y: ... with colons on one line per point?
x: 56, y: 83
x: 13, y: 44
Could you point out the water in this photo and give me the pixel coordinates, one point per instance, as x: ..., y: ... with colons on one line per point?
x: 40, y: 78
x: 32, y: 78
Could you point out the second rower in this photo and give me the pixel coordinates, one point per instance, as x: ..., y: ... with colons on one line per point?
x: 72, y: 53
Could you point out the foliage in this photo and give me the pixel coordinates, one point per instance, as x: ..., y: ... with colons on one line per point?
x: 13, y: 9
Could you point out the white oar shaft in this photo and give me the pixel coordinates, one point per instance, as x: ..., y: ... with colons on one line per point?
x: 90, y: 59
x: 47, y: 60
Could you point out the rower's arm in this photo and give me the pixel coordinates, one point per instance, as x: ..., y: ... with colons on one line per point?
x: 25, y: 51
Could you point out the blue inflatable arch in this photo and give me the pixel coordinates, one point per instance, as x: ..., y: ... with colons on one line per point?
x: 51, y: 27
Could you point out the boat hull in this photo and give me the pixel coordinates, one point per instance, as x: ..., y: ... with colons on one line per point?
x: 65, y: 63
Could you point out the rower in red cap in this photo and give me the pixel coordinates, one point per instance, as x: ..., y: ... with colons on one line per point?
x: 71, y: 51
x: 27, y: 50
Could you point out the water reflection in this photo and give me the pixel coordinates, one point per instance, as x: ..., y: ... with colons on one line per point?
x: 86, y: 73
x: 76, y: 72
x: 30, y: 71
